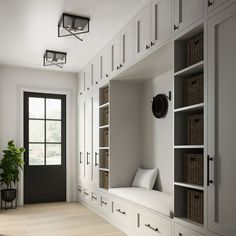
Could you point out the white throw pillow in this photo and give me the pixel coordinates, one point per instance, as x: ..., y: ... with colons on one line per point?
x: 145, y: 178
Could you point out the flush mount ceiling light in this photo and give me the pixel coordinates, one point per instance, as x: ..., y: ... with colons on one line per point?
x: 54, y: 58
x: 72, y: 25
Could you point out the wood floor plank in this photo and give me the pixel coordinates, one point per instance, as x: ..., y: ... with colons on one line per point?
x: 54, y: 219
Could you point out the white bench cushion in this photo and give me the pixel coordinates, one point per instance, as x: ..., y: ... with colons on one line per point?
x: 160, y: 202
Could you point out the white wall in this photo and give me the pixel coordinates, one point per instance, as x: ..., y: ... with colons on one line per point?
x: 13, y: 80
x: 158, y: 133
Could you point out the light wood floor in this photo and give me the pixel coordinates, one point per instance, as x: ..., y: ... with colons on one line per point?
x: 61, y: 219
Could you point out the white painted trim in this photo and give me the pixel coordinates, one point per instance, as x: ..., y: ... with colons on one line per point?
x: 20, y: 134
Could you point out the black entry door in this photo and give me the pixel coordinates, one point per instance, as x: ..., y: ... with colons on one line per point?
x: 45, y: 144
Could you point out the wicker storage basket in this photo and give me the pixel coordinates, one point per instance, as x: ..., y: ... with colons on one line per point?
x: 105, y: 138
x: 195, y: 130
x: 195, y: 50
x: 106, y: 95
x: 194, y: 90
x: 193, y: 169
x: 106, y: 116
x: 195, y: 206
x: 105, y: 179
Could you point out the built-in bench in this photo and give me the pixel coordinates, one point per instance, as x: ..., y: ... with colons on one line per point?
x: 157, y: 201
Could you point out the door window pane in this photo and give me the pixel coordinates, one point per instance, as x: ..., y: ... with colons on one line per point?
x: 36, y: 108
x: 36, y: 154
x: 36, y: 131
x: 53, y: 154
x: 53, y: 131
x: 53, y: 109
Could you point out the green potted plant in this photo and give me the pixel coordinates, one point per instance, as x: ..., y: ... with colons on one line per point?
x: 10, y: 166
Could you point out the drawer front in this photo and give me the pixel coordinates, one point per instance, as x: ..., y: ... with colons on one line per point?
x: 150, y: 224
x: 184, y: 231
x: 121, y: 212
x: 95, y: 198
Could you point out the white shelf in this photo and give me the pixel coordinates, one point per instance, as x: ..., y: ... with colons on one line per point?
x: 193, y: 186
x: 105, y: 105
x: 188, y: 146
x: 196, y: 68
x: 190, y: 108
x: 104, y: 148
x: 104, y: 126
x: 190, y: 223
x: 104, y: 169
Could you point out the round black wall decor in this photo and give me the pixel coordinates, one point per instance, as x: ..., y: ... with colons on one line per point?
x: 160, y: 106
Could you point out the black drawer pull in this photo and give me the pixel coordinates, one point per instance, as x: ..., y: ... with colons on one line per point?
x: 94, y: 198
x: 121, y: 212
x: 147, y: 47
x: 210, y: 3
x: 152, y: 43
x: 107, y: 75
x: 150, y: 227
x: 79, y: 190
x: 180, y: 234
x: 176, y: 27
x: 85, y: 193
x: 104, y: 203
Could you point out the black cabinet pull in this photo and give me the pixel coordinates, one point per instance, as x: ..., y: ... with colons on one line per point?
x: 104, y: 203
x: 80, y: 93
x: 107, y: 75
x: 117, y: 67
x: 85, y: 193
x: 95, y: 198
x: 87, y: 88
x: 96, y: 82
x: 96, y: 159
x: 210, y: 3
x: 79, y: 190
x: 180, y: 234
x: 152, y: 43
x: 176, y: 27
x: 88, y: 158
x: 121, y: 65
x: 208, y: 170
x: 80, y: 158
x: 121, y: 212
x: 147, y: 47
x: 150, y: 227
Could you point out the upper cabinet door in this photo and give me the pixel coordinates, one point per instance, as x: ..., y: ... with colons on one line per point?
x: 115, y: 54
x: 142, y: 33
x: 105, y: 63
x: 212, y: 4
x: 187, y: 12
x: 221, y: 122
x: 81, y: 83
x: 96, y: 70
x: 127, y: 46
x: 160, y: 22
x: 88, y: 77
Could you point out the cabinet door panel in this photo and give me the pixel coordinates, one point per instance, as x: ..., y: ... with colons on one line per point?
x: 88, y: 77
x: 105, y: 63
x: 115, y: 54
x: 187, y: 12
x: 95, y: 115
x: 160, y: 22
x: 81, y: 136
x: 81, y: 83
x: 88, y: 137
x: 96, y: 70
x: 141, y: 34
x: 212, y: 4
x: 221, y: 121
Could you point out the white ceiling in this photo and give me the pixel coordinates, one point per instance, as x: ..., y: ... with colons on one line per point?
x: 29, y: 27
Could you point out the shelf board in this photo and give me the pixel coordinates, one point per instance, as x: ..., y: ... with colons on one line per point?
x: 103, y: 126
x: 190, y: 108
x: 196, y: 226
x: 104, y: 169
x: 188, y: 146
x: 198, y: 67
x: 104, y: 148
x: 189, y: 186
x: 104, y: 105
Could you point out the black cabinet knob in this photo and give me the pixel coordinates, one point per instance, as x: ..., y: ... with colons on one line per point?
x: 152, y: 43
x: 176, y: 27
x: 147, y: 47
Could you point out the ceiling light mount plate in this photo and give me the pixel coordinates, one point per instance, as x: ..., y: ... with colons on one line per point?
x: 73, y: 25
x: 54, y: 58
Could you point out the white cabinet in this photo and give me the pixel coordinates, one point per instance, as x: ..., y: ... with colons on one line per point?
x: 88, y: 76
x: 81, y: 136
x: 95, y: 71
x: 105, y: 63
x: 221, y: 122
x: 152, y: 26
x: 180, y: 230
x: 122, y: 49
x: 88, y: 138
x: 81, y: 83
x: 95, y: 138
x: 213, y: 4
x: 186, y: 12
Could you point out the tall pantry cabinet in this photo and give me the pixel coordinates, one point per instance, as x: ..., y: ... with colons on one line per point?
x: 221, y: 122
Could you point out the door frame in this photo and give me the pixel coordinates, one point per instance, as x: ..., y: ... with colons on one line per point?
x: 20, y: 124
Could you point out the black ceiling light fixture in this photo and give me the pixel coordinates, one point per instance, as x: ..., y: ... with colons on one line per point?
x: 72, y: 25
x: 54, y: 58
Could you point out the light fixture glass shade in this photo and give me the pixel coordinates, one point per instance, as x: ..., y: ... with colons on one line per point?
x: 54, y: 58
x: 72, y: 25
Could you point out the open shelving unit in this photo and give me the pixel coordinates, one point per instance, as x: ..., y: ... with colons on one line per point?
x: 104, y: 136
x: 189, y: 115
